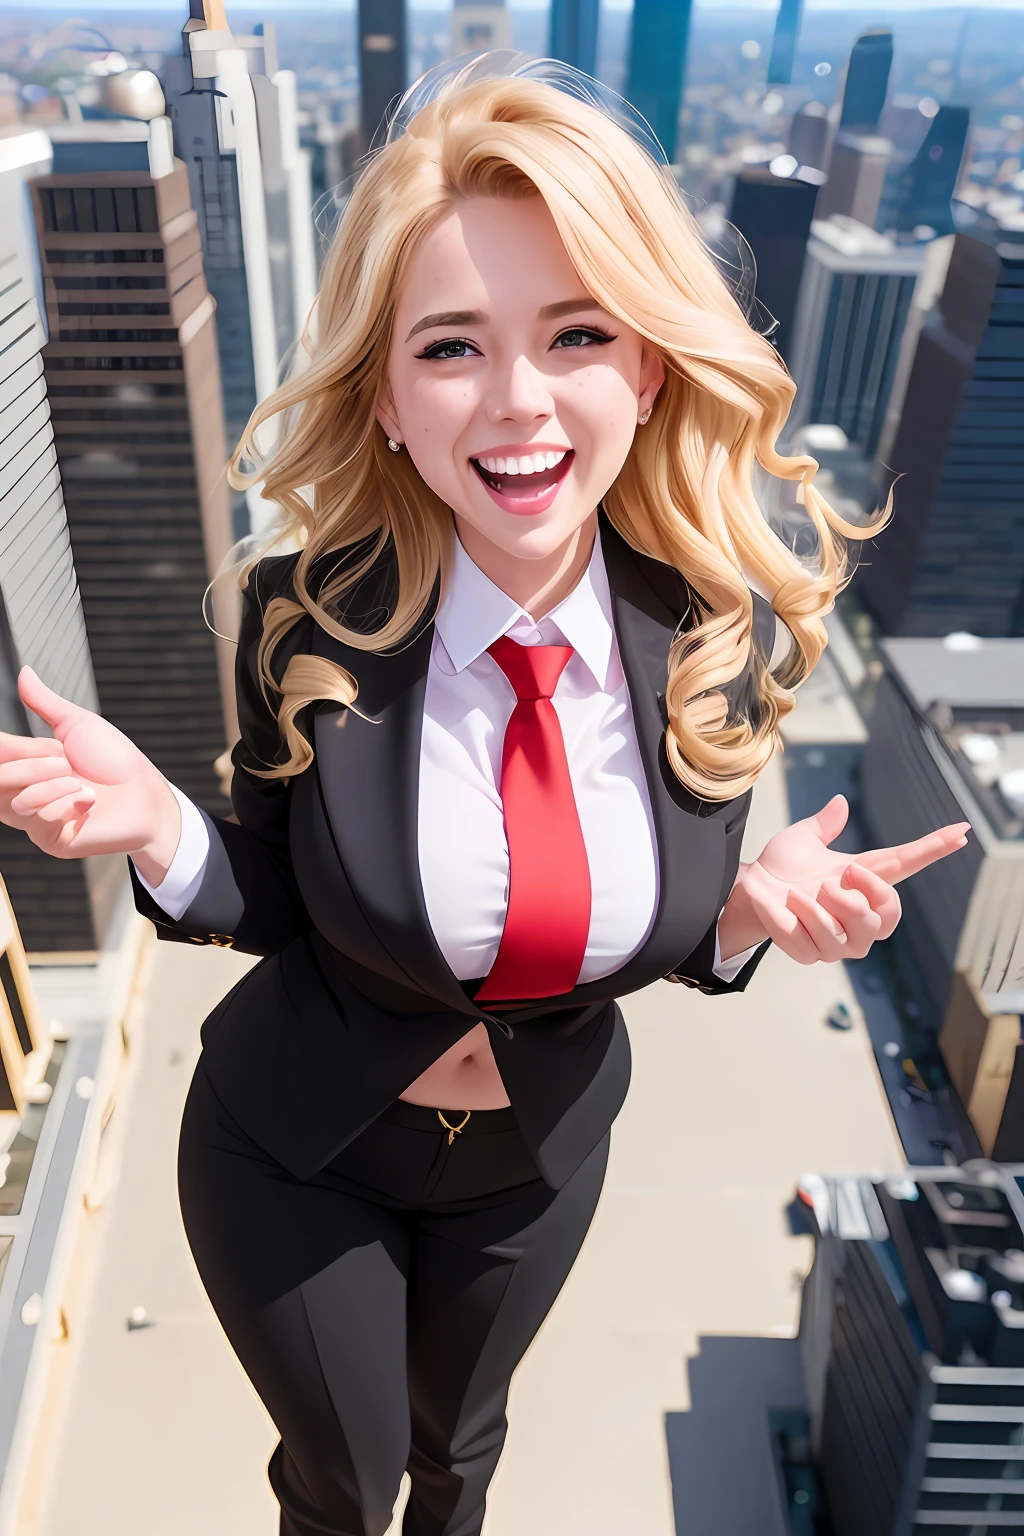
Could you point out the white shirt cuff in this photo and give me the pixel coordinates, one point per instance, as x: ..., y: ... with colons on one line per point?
x: 176, y: 891
x: 728, y: 970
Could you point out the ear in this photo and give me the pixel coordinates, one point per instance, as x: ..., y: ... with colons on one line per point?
x: 386, y: 415
x: 652, y: 377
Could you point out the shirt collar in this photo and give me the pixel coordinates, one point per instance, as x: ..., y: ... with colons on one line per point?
x: 473, y: 613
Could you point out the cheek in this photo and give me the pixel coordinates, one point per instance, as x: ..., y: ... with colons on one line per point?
x: 604, y: 410
x: 439, y: 410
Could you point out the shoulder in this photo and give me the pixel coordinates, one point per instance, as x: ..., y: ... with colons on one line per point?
x: 272, y: 576
x: 355, y: 583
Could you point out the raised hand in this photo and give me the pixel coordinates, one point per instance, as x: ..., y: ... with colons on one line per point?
x: 88, y: 790
x: 818, y: 904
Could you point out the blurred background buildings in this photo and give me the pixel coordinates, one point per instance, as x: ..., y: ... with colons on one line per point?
x: 169, y: 179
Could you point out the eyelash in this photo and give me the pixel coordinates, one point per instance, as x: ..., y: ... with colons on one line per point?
x: 435, y: 353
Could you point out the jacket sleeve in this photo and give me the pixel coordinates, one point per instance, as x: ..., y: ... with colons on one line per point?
x: 248, y: 898
x: 698, y: 968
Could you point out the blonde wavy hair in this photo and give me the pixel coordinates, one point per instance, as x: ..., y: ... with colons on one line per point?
x: 685, y: 494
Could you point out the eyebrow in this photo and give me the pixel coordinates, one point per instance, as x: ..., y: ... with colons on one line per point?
x: 477, y: 316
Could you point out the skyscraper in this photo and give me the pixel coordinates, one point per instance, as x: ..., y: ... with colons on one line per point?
x: 911, y: 1333
x: 954, y: 556
x: 382, y: 61
x: 924, y: 192
x: 774, y: 214
x: 235, y: 128
x: 573, y: 34
x: 867, y: 81
x: 131, y: 371
x: 41, y: 621
x: 860, y: 155
x: 784, y: 41
x: 854, y: 296
x: 221, y: 174
x: 659, y: 37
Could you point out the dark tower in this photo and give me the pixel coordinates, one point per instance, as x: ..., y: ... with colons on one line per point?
x: 954, y: 556
x: 926, y: 188
x: 657, y: 65
x: 382, y: 61
x: 867, y: 82
x: 787, y: 34
x: 573, y: 35
x: 774, y: 215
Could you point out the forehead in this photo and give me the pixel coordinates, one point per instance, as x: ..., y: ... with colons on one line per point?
x: 487, y: 250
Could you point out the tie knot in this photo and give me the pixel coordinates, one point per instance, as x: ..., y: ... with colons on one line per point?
x: 533, y: 670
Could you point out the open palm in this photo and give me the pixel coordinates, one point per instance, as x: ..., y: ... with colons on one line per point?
x: 818, y: 904
x: 87, y: 790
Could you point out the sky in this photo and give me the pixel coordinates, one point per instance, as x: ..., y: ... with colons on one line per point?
x: 78, y: 7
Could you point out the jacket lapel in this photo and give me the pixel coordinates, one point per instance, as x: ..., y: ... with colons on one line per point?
x: 648, y: 601
x: 368, y: 765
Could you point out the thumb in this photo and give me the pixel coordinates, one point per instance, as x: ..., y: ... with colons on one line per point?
x: 831, y: 819
x: 49, y: 706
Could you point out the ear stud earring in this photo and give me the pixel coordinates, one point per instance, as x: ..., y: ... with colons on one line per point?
x: 645, y: 418
x: 395, y: 447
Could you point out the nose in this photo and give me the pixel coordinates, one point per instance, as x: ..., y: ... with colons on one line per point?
x: 520, y: 395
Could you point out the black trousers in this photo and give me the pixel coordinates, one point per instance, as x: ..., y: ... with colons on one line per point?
x: 380, y: 1308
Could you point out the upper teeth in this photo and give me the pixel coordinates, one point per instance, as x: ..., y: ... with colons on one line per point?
x: 525, y: 464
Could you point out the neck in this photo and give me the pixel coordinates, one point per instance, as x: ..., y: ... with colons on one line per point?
x: 537, y: 585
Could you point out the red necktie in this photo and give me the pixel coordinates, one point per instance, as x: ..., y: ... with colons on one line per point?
x: 548, y: 919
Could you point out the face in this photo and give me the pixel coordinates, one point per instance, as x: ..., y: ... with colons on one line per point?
x: 516, y: 395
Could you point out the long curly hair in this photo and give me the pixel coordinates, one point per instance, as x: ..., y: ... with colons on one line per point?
x: 686, y: 493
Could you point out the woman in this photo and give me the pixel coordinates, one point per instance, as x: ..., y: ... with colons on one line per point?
x: 499, y: 722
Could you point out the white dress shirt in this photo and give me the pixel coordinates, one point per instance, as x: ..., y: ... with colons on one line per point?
x: 463, y: 852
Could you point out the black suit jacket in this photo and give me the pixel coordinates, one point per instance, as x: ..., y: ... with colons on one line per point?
x: 353, y: 998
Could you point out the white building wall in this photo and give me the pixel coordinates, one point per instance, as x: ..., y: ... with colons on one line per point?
x: 37, y: 573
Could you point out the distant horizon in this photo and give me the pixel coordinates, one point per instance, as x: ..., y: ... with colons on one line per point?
x: 162, y: 7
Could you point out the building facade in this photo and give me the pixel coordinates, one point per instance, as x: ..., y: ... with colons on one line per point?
x: 774, y: 213
x: 132, y: 374
x: 573, y: 33
x: 855, y: 295
x: 954, y: 556
x: 41, y: 621
x: 946, y: 739
x: 656, y: 73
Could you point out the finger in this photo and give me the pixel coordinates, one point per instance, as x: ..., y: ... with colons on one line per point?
x: 908, y: 858
x: 18, y: 748
x: 36, y: 796
x: 785, y: 930
x: 826, y: 934
x: 49, y: 706
x: 879, y: 894
x: 31, y: 770
x: 855, y: 915
x: 831, y: 819
x: 66, y: 808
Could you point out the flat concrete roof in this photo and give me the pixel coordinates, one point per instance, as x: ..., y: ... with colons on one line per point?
x: 990, y: 673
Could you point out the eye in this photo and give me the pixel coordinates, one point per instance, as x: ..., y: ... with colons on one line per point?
x: 579, y: 337
x: 445, y: 351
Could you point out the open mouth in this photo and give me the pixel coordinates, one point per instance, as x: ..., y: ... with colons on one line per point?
x: 526, y: 483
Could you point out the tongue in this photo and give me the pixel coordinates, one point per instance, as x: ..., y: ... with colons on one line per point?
x: 523, y: 485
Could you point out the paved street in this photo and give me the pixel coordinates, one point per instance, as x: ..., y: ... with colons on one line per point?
x: 153, y: 1430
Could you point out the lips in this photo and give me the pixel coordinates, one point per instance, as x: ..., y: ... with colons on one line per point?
x: 525, y: 483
